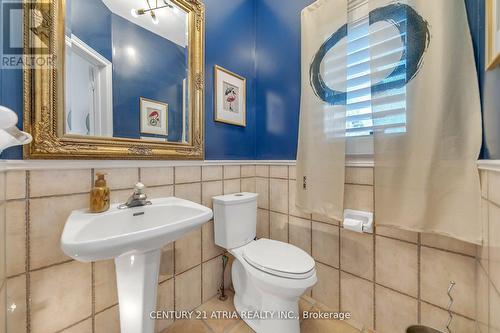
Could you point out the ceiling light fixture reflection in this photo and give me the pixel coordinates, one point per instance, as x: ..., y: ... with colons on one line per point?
x: 154, y: 18
x: 130, y: 51
x: 138, y: 12
x: 134, y: 12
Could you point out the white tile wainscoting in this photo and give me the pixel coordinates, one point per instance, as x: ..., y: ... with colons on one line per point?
x: 373, y: 276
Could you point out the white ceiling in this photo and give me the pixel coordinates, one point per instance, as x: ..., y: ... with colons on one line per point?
x: 173, y: 21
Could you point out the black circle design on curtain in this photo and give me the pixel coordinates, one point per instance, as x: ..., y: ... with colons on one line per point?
x: 415, y: 37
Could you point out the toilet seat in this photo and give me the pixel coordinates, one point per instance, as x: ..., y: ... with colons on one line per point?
x: 279, y: 259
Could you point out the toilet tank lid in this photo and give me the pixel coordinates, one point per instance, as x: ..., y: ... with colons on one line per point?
x: 235, y: 198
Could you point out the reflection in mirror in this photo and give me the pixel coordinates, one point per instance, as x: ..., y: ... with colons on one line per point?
x: 126, y: 70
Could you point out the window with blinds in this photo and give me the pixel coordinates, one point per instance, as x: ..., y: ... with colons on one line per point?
x: 373, y: 53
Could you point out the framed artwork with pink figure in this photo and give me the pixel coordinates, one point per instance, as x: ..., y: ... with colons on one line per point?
x: 154, y: 117
x: 229, y: 97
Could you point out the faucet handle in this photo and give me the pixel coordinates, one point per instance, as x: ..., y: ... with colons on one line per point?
x: 139, y: 188
x: 138, y: 198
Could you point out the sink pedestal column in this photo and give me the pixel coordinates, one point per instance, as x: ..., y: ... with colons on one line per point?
x: 137, y: 281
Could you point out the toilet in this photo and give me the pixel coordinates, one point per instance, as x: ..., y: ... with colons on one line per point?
x: 268, y: 276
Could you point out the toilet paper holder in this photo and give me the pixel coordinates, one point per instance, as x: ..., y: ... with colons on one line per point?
x: 357, y: 220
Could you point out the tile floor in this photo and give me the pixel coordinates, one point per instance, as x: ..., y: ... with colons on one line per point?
x: 239, y: 326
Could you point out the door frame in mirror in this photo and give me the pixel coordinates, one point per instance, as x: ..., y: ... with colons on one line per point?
x: 43, y: 93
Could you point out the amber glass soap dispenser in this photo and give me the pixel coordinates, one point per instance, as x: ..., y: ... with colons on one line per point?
x: 99, y: 196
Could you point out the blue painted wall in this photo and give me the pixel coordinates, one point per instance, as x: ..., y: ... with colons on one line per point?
x: 278, y: 78
x: 260, y: 39
x: 155, y: 71
x: 491, y: 114
x: 90, y: 20
x: 11, y: 95
x: 230, y: 43
x: 476, y: 15
x: 134, y: 75
x: 278, y: 73
x: 491, y: 106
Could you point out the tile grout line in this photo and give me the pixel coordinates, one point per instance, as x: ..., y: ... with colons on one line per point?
x: 288, y: 212
x: 107, y: 308
x: 490, y: 284
x: 476, y: 283
x: 415, y: 298
x: 288, y: 215
x: 496, y: 204
x: 241, y: 180
x: 374, y: 281
x: 92, y: 295
x: 446, y: 250
x: 51, y: 265
x: 419, y: 291
x: 269, y: 199
x: 340, y: 270
x: 444, y: 309
x: 287, y: 229
x: 73, y: 325
x: 201, y: 283
x: 55, y: 196
x: 92, y: 271
x: 399, y: 292
x: 488, y: 247
x: 489, y: 299
x: 201, y: 240
x: 384, y: 236
x: 223, y: 180
x: 488, y: 276
x: 368, y: 280
x: 27, y: 255
x: 374, y: 258
x: 159, y: 186
x: 173, y: 246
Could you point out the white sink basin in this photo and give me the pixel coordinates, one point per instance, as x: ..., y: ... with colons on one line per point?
x: 91, y: 237
x: 133, y: 237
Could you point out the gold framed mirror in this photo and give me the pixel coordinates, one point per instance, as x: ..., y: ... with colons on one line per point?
x: 86, y: 101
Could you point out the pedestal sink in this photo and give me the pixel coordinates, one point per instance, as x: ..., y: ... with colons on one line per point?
x: 133, y: 237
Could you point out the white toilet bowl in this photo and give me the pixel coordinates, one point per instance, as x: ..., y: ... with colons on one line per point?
x: 269, y: 277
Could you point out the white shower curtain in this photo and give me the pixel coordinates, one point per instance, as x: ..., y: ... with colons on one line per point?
x: 320, y: 156
x: 426, y: 177
x: 425, y: 107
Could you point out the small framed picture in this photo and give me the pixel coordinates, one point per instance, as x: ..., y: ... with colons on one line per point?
x: 492, y: 33
x: 154, y: 117
x: 229, y: 97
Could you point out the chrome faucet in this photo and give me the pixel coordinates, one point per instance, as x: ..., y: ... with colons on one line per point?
x: 138, y: 198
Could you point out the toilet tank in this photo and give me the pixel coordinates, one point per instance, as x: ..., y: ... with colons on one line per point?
x: 235, y: 219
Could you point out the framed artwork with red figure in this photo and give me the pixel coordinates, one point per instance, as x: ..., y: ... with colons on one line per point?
x: 154, y: 117
x: 229, y: 97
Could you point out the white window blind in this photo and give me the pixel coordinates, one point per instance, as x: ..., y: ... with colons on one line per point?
x: 373, y: 53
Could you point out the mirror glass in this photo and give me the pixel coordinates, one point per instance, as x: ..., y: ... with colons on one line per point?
x: 126, y: 70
